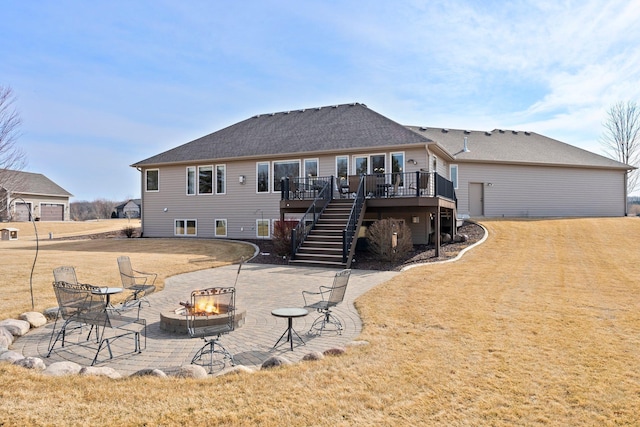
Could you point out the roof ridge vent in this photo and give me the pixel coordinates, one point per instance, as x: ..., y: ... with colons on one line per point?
x: 467, y: 132
x: 319, y: 108
x: 501, y: 130
x: 445, y: 130
x: 423, y: 128
x: 488, y: 133
x: 526, y: 132
x: 515, y: 132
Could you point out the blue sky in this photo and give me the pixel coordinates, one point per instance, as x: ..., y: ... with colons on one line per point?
x: 101, y: 85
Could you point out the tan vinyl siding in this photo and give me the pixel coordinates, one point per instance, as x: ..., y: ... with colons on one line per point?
x: 241, y: 206
x: 538, y: 191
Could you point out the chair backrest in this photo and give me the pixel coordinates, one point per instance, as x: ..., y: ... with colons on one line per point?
x: 354, y: 183
x: 424, y: 180
x: 65, y: 274
x: 126, y: 271
x: 223, y: 298
x: 339, y: 287
x: 77, y: 301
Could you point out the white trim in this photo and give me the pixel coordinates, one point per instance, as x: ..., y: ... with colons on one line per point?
x: 146, y: 180
x: 195, y: 181
x: 213, y: 181
x: 224, y: 178
x: 186, y: 227
x: 268, y: 177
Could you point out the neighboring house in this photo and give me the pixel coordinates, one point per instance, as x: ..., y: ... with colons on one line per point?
x: 128, y: 209
x: 25, y: 196
x: 236, y: 182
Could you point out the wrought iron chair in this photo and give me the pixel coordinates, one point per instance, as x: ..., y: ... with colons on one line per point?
x: 82, y: 304
x: 65, y: 274
x: 219, y: 301
x: 330, y: 296
x: 139, y: 283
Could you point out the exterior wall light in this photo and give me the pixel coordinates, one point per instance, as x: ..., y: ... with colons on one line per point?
x: 242, y: 179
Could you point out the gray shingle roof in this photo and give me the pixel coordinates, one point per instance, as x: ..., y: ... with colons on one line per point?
x: 333, y: 128
x: 31, y: 183
x: 517, y: 147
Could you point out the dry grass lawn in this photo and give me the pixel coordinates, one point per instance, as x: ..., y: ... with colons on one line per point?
x: 539, y: 325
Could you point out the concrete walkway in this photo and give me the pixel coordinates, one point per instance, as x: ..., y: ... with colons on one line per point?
x: 260, y: 289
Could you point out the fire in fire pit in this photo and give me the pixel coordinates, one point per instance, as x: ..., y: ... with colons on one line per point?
x: 209, y: 314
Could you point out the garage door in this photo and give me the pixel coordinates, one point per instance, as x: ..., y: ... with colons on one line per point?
x: 21, y: 212
x: 50, y: 212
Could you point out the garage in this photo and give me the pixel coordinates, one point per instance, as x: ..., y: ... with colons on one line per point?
x: 51, y: 212
x: 21, y: 212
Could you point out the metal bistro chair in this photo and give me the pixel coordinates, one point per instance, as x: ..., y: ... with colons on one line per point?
x: 330, y: 297
x: 220, y: 299
x: 82, y: 304
x: 139, y: 283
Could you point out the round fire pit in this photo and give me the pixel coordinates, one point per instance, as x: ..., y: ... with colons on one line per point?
x: 176, y: 320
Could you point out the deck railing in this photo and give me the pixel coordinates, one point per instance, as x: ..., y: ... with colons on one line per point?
x: 350, y: 229
x: 323, y: 189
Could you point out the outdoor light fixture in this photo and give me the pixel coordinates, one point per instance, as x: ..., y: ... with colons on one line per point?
x: 412, y: 161
x: 415, y: 219
x: 165, y: 209
x: 241, y: 179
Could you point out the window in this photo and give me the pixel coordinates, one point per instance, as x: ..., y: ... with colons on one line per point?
x: 453, y: 175
x: 342, y: 167
x: 205, y: 180
x: 284, y: 169
x: 262, y: 228
x: 397, y: 168
x: 262, y: 172
x: 221, y: 228
x: 186, y: 227
x: 191, y: 180
x: 221, y: 178
x: 153, y: 178
x: 311, y: 168
x: 360, y: 165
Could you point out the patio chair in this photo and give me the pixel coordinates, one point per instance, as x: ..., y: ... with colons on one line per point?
x: 139, y: 283
x: 65, y: 274
x: 82, y: 304
x: 222, y: 302
x: 330, y: 296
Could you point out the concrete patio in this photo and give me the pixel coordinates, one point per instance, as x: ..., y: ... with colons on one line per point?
x: 260, y: 289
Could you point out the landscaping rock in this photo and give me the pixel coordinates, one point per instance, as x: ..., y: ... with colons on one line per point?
x: 4, y: 332
x: 102, y: 371
x: 51, y: 313
x: 236, y: 370
x: 337, y: 351
x: 275, y: 361
x: 461, y: 238
x: 17, y: 327
x: 59, y: 369
x: 150, y: 373
x: 11, y: 356
x: 4, y: 343
x: 314, y: 355
x: 31, y: 363
x: 188, y: 371
x: 34, y: 318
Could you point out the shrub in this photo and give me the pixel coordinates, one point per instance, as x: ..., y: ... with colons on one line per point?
x: 282, y: 236
x: 129, y: 231
x: 381, y: 241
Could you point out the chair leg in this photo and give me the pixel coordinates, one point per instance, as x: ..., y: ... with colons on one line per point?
x: 210, y: 350
x: 328, y: 321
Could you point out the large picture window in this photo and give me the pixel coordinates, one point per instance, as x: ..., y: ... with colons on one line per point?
x: 186, y: 227
x: 262, y: 172
x: 205, y: 180
x: 360, y: 165
x: 311, y: 168
x: 221, y: 179
x: 191, y: 180
x: 152, y: 180
x: 284, y: 169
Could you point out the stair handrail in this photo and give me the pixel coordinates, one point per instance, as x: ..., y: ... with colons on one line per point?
x: 310, y: 217
x: 350, y: 229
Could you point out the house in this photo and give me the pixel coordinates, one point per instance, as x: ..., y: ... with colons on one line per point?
x: 26, y: 196
x: 337, y: 169
x: 128, y: 209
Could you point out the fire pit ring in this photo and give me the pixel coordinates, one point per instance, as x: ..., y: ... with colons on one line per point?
x: 175, y: 321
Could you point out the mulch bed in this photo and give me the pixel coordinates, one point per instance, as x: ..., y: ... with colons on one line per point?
x: 365, y: 260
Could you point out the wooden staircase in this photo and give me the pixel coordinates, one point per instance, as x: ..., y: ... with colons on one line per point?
x: 323, y: 245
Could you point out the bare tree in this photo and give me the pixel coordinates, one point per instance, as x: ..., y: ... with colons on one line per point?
x: 621, y: 138
x: 12, y: 158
